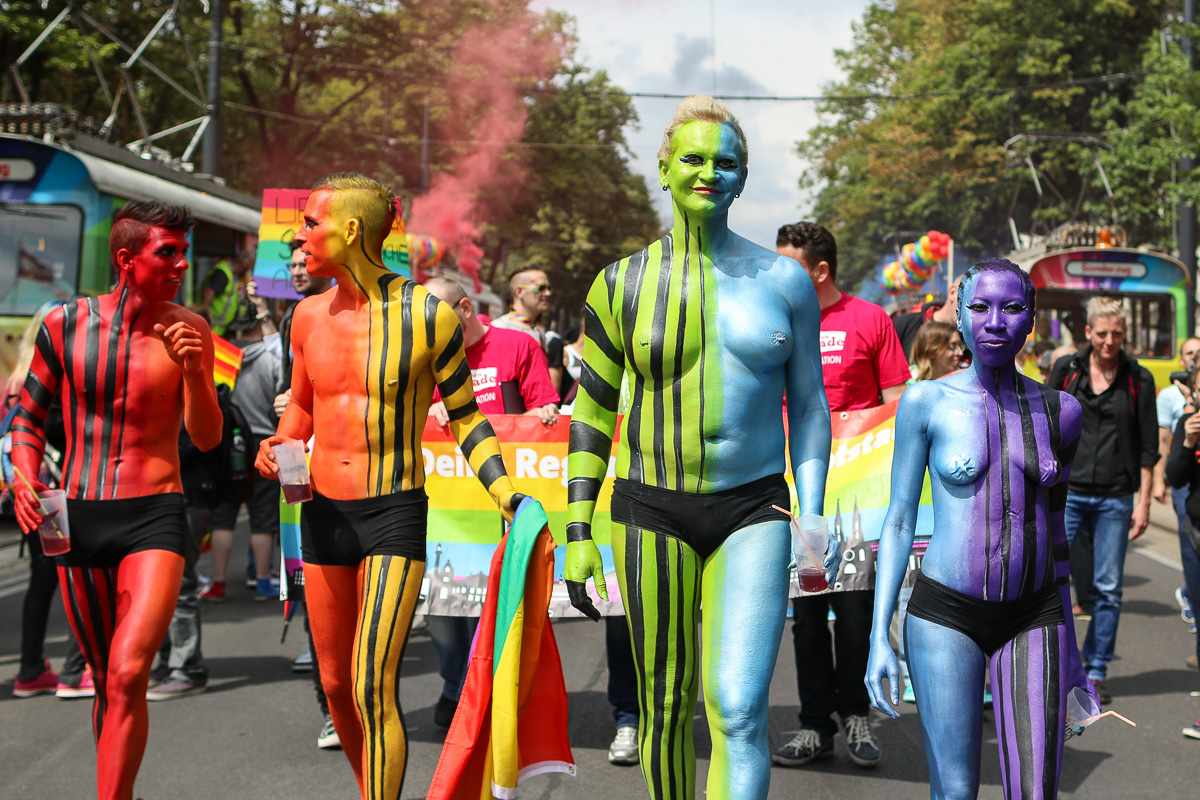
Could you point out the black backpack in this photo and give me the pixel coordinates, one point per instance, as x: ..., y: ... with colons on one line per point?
x: 231, y: 480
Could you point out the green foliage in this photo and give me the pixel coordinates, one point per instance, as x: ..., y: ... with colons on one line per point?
x: 598, y: 211
x: 318, y: 86
x: 937, y: 160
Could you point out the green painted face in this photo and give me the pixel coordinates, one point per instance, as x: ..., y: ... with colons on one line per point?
x: 706, y: 169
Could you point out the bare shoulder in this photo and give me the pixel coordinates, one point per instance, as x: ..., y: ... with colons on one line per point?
x: 171, y: 313
x: 309, y: 307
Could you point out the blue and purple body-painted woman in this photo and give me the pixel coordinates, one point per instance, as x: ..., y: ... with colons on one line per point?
x: 993, y: 586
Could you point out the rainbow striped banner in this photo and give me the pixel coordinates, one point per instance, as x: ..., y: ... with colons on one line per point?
x: 464, y: 525
x: 227, y: 362
x: 282, y: 216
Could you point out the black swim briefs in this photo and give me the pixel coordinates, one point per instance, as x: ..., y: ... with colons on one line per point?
x: 702, y: 521
x: 105, y: 531
x: 341, y: 533
x: 991, y: 624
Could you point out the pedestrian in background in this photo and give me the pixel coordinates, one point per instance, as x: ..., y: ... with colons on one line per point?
x: 253, y: 397
x: 863, y: 367
x: 509, y: 375
x: 1118, y: 449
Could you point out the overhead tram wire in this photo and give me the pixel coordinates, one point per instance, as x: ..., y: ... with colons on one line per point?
x: 1116, y: 77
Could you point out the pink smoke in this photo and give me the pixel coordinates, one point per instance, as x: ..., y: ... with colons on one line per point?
x: 493, y: 62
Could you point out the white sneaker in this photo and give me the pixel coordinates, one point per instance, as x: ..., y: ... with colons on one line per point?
x: 624, y: 747
x: 328, y: 738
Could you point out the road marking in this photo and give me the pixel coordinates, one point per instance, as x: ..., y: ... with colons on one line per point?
x: 1157, y: 558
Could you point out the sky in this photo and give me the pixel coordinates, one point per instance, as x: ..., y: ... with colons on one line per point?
x: 763, y: 47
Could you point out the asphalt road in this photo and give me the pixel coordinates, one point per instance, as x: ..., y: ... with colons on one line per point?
x: 252, y: 734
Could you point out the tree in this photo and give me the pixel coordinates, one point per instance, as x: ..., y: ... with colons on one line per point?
x: 584, y: 207
x: 931, y: 155
x: 312, y: 87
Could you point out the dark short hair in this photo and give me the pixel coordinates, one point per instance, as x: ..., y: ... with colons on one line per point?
x: 293, y: 246
x: 998, y: 265
x: 815, y: 240
x: 133, y: 221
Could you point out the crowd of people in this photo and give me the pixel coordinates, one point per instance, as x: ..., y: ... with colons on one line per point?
x: 1034, y: 484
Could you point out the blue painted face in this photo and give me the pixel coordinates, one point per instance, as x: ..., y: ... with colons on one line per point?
x: 996, y: 319
x: 706, y: 169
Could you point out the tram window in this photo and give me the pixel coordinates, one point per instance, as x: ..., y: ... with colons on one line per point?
x: 1150, y: 320
x: 39, y: 255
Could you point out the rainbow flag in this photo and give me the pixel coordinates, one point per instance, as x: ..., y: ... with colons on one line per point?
x: 511, y: 722
x: 227, y: 362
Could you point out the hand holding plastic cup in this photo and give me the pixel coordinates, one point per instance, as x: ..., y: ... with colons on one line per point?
x: 810, y: 540
x: 54, y: 531
x: 293, y: 471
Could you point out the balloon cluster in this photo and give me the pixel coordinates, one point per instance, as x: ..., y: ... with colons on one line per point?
x: 426, y: 251
x: 916, y: 263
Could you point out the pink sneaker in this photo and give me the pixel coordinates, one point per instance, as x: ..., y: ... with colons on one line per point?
x: 85, y: 687
x: 42, y: 684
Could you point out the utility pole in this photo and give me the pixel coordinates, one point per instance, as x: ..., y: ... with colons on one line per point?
x: 425, y: 151
x: 210, y: 159
x: 1187, y: 211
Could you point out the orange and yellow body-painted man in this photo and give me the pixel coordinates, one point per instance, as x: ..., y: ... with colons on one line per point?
x: 366, y: 359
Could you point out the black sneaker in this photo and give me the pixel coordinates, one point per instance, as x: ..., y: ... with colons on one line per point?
x: 804, y: 747
x: 1102, y: 693
x: 859, y: 741
x: 443, y: 712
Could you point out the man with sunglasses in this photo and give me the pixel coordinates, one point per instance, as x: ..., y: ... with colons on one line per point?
x: 530, y: 289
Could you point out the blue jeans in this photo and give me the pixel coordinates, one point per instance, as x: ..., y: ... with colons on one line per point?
x: 1187, y: 553
x: 452, y: 637
x: 622, y: 674
x: 1109, y: 518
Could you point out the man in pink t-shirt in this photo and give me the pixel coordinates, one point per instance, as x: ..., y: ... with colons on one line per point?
x: 508, y: 369
x: 863, y: 367
x: 510, y: 376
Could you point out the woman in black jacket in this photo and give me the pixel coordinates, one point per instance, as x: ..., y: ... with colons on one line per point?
x: 1183, y: 469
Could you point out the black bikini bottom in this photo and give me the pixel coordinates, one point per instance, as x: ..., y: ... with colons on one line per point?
x: 991, y: 624
x: 702, y: 521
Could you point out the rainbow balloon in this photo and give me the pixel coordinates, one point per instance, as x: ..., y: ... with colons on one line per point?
x: 916, y: 264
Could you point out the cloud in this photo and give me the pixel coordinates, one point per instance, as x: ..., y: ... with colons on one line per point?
x: 691, y: 53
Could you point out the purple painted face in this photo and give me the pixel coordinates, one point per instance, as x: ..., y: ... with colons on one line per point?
x: 996, y: 319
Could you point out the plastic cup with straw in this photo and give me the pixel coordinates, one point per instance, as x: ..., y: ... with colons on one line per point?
x: 54, y: 539
x: 811, y: 578
x: 1082, y: 711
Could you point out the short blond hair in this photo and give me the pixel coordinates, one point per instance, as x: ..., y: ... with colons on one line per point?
x: 356, y: 195
x: 1099, y: 307
x: 702, y: 108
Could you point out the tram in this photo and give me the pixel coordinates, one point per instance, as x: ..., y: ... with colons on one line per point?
x: 1079, y: 262
x: 59, y: 190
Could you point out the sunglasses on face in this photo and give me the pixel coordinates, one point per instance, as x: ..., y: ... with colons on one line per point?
x: 538, y: 288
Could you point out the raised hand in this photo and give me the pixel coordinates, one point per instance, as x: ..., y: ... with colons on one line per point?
x: 183, y: 344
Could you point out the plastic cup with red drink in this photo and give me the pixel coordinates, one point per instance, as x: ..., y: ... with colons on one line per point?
x: 54, y: 530
x: 810, y: 540
x: 293, y: 471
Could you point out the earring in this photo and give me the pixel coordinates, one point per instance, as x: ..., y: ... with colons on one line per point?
x: 739, y: 194
x: 665, y: 189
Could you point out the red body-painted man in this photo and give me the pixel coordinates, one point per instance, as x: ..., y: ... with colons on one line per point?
x: 129, y: 367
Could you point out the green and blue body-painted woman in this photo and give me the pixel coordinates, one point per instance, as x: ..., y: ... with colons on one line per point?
x: 714, y: 331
